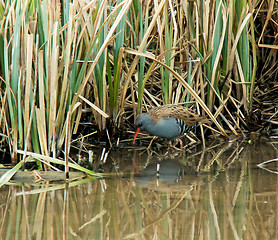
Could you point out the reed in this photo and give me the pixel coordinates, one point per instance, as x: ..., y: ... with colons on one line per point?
x: 108, y: 54
x: 207, y: 44
x: 44, y: 77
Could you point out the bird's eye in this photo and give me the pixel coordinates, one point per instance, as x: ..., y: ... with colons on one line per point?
x: 139, y: 124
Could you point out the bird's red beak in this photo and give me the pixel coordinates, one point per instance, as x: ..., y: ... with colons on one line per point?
x: 137, y: 131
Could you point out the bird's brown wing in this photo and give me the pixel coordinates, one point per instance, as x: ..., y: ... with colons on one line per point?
x: 176, y: 111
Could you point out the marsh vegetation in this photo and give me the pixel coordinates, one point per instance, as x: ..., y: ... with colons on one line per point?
x: 66, y: 64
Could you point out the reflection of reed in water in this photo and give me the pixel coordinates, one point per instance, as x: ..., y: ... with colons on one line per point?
x: 234, y: 200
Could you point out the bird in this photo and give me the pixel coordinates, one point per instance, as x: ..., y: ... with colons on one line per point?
x: 168, y: 121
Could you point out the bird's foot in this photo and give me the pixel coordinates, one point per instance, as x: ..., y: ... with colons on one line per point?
x: 175, y: 145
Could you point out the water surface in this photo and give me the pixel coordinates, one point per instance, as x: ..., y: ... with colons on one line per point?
x: 219, y: 193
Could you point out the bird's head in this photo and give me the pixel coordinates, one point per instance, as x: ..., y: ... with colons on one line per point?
x: 142, y: 121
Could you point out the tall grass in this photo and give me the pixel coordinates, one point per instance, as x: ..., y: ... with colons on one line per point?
x: 206, y: 43
x: 48, y: 50
x: 110, y: 55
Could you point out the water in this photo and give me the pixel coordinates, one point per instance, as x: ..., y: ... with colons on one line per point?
x: 216, y: 194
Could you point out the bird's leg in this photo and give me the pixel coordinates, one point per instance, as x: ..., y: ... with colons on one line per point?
x: 180, y: 142
x: 170, y: 145
x: 174, y: 145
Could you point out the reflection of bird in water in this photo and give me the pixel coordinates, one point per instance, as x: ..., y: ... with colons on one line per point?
x: 165, y: 173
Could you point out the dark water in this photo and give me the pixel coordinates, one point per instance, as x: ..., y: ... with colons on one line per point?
x: 219, y: 193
